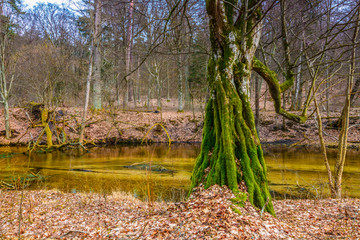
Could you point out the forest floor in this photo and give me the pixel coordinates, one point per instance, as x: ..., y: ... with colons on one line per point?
x: 207, y: 214
x: 119, y: 126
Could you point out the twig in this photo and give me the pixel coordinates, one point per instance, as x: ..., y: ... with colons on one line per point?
x: 29, y: 118
x: 73, y: 231
x: 158, y: 124
x: 143, y: 230
x: 354, y: 126
x: 303, y: 140
x: 263, y: 208
x: 325, y: 133
x: 23, y: 135
x: 20, y: 212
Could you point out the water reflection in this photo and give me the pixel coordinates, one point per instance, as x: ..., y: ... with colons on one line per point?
x: 292, y: 172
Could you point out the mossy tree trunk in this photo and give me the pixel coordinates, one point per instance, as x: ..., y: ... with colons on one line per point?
x: 45, y: 123
x: 231, y: 150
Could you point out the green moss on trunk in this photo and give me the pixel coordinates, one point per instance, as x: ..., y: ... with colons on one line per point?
x: 47, y: 130
x: 231, y: 151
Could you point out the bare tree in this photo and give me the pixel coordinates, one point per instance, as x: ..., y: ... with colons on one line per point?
x: 6, y: 84
x: 97, y: 99
x: 128, y: 93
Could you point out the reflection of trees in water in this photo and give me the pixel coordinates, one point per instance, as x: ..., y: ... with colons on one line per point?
x: 110, y: 175
x: 148, y: 151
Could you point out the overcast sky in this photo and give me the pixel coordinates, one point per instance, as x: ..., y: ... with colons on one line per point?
x: 31, y: 3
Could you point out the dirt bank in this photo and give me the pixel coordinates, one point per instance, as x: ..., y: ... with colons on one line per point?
x: 206, y: 215
x: 132, y: 126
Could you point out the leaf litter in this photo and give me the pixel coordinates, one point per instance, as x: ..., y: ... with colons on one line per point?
x: 208, y: 214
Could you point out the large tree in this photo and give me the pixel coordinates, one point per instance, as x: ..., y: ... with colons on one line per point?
x: 231, y: 152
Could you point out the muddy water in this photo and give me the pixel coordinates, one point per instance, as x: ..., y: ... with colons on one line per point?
x: 292, y: 173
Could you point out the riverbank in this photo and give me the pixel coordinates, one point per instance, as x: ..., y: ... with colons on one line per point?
x: 114, y: 127
x: 206, y: 215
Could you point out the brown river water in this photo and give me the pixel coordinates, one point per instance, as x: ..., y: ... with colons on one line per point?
x: 292, y: 173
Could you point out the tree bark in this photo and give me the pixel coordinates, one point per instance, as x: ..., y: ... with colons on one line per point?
x: 342, y: 148
x: 130, y: 84
x: 231, y: 152
x: 323, y: 149
x: 327, y: 86
x: 297, y: 103
x: 257, y: 103
x: 137, y: 85
x: 187, y: 83
x: 354, y: 92
x: 167, y: 85
x: 265, y: 98
x: 87, y: 94
x: 154, y: 71
x: 7, y: 119
x: 97, y: 99
x: 158, y: 90
x: 149, y: 92
x: 5, y: 86
x: 180, y: 85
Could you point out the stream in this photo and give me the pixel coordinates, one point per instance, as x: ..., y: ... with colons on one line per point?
x: 158, y: 173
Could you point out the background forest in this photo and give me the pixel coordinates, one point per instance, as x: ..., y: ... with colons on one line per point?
x: 144, y: 54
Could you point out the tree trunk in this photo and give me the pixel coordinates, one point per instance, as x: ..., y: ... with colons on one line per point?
x: 158, y: 90
x: 187, y: 86
x: 148, y: 92
x: 342, y: 148
x: 138, y: 95
x: 327, y: 84
x: 7, y: 119
x: 231, y: 152
x: 87, y: 94
x: 265, y: 98
x: 257, y: 103
x: 137, y: 85
x: 168, y: 84
x: 283, y: 118
x: 5, y: 87
x: 180, y: 85
x: 327, y: 91
x: 126, y: 94
x: 340, y: 120
x: 354, y: 92
x: 45, y: 123
x: 97, y: 100
x: 156, y: 76
x: 297, y: 103
x: 323, y: 149
x: 130, y: 84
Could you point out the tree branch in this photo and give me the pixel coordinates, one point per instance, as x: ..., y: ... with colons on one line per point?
x: 275, y: 90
